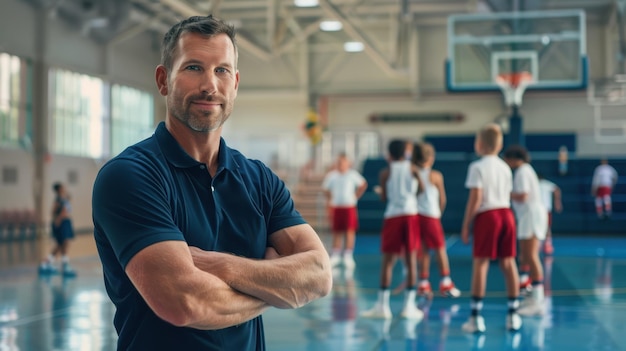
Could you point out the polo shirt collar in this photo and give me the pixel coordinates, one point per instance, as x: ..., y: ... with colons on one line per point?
x: 178, y: 157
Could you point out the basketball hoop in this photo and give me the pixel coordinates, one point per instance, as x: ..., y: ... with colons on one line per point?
x: 513, y: 85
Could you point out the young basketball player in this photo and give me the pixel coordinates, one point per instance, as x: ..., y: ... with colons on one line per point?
x: 532, y: 223
x: 489, y: 180
x: 430, y: 204
x: 399, y: 184
x: 343, y: 187
x: 602, y: 183
x: 551, y: 196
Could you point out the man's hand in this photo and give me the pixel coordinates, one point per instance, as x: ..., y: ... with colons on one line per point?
x: 295, y: 271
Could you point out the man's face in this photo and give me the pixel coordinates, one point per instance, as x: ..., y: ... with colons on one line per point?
x: 202, y: 86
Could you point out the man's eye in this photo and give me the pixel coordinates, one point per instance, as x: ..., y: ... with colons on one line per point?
x: 221, y: 70
x: 193, y: 68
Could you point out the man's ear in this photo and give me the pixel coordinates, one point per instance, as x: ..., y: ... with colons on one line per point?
x: 161, y: 79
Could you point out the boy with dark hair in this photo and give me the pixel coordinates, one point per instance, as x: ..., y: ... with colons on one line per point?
x: 532, y: 224
x: 399, y: 184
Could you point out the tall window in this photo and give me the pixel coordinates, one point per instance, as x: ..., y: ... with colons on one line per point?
x: 132, y: 117
x: 77, y: 111
x: 15, y: 106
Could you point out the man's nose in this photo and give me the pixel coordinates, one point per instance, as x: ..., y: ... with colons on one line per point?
x: 209, y: 83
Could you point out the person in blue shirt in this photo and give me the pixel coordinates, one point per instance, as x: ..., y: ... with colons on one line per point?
x: 197, y: 241
x: 62, y: 231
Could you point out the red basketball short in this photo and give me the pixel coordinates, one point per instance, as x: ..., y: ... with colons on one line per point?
x: 431, y: 231
x: 344, y: 219
x: 494, y: 234
x: 400, y: 234
x: 603, y: 191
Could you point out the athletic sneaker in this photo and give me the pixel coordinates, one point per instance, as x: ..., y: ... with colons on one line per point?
x: 525, y: 286
x: 335, y: 260
x: 378, y: 311
x: 46, y: 268
x: 424, y: 288
x: 412, y: 312
x: 475, y: 324
x: 68, y: 271
x: 513, y: 322
x: 530, y: 308
x: 348, y: 261
x: 449, y: 290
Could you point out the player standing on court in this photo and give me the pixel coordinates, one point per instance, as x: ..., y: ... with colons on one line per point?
x: 399, y: 184
x: 489, y: 180
x: 532, y: 223
x: 343, y: 187
x: 551, y: 196
x: 431, y: 204
x: 602, y: 183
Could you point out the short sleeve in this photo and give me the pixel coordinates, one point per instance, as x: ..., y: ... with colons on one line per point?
x: 130, y: 208
x: 326, y: 183
x: 283, y: 212
x: 357, y: 178
x: 521, y: 181
x: 474, y: 177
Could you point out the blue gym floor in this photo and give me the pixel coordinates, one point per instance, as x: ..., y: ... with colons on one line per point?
x: 585, y: 290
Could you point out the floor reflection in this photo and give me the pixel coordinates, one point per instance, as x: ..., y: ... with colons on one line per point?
x: 584, y: 296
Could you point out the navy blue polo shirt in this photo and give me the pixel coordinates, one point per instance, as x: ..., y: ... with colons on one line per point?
x: 154, y: 191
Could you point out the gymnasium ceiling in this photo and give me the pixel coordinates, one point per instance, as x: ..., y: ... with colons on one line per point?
x: 270, y: 28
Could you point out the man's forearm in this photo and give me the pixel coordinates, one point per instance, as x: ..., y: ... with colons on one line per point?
x: 285, y: 282
x: 227, y: 308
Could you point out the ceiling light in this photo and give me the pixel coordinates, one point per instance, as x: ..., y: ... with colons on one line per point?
x: 353, y: 46
x: 331, y: 26
x: 306, y: 3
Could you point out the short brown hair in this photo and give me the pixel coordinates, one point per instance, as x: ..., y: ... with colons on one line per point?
x: 491, y: 137
x: 204, y: 25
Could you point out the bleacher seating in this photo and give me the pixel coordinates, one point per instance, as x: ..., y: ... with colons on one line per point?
x: 17, y: 225
x: 578, y: 214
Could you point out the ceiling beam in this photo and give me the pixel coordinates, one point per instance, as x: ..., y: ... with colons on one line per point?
x: 183, y: 8
x: 356, y: 34
x: 147, y: 23
x: 272, y: 18
x: 300, y: 37
x: 442, y: 9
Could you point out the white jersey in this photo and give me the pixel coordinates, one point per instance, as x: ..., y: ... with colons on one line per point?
x: 547, y: 189
x: 604, y: 175
x: 342, y: 187
x: 532, y: 216
x: 428, y: 200
x: 401, y: 189
x: 494, y: 177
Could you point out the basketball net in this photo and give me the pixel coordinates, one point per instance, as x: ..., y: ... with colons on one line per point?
x: 513, y: 86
